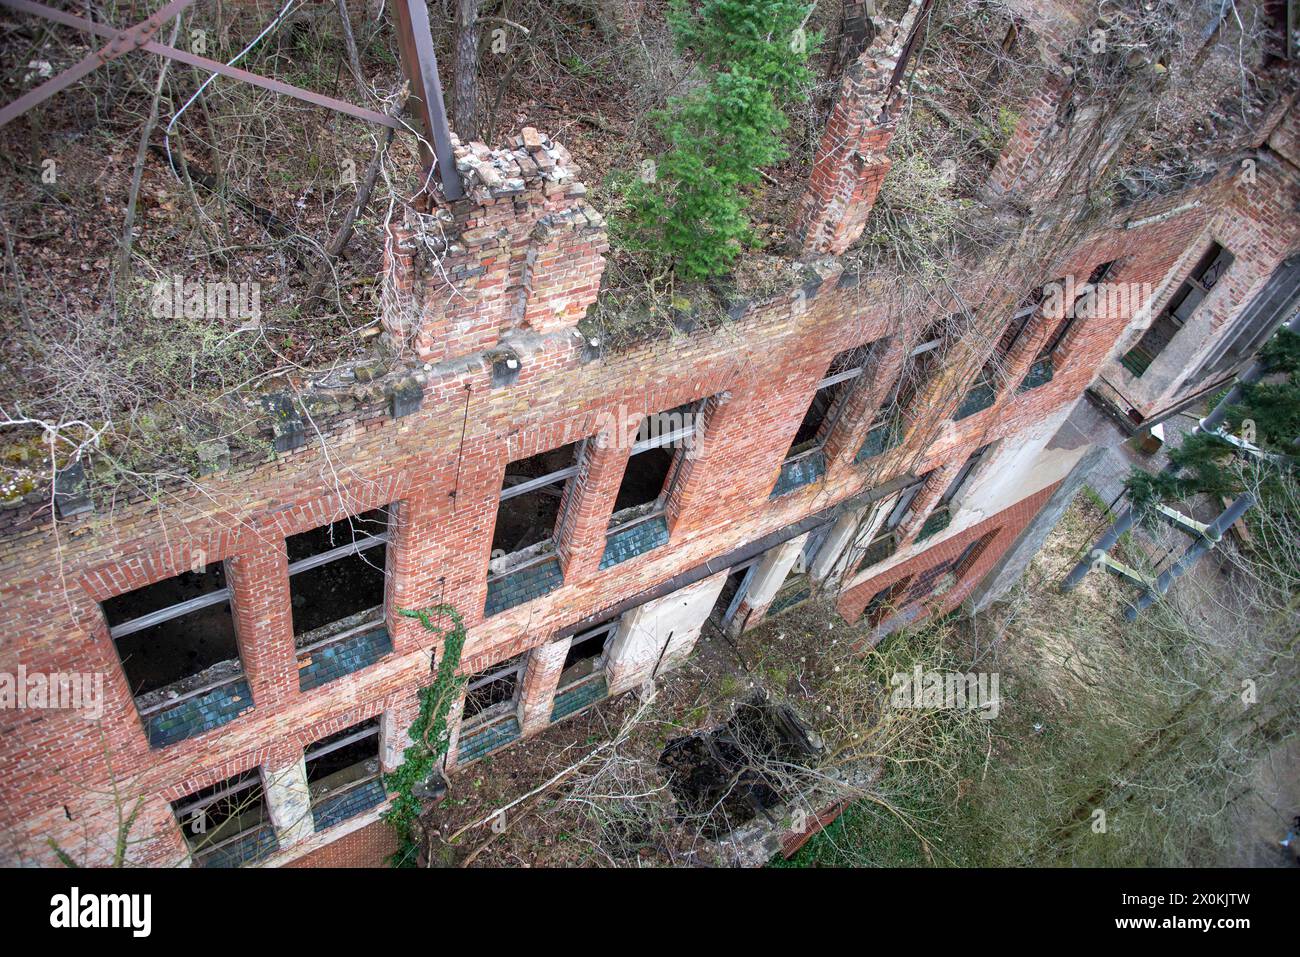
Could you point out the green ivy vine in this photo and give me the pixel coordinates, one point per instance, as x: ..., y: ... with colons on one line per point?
x: 428, y: 732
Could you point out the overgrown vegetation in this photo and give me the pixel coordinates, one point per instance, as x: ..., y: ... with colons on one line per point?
x: 689, y: 205
x: 428, y: 731
x: 1117, y: 744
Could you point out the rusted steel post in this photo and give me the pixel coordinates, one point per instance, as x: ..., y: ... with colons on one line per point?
x: 421, y: 66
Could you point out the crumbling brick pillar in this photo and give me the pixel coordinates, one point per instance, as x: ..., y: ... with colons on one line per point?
x: 545, y: 662
x: 769, y: 574
x: 288, y: 801
x: 1019, y: 158
x: 931, y: 490
x: 521, y: 252
x: 851, y: 163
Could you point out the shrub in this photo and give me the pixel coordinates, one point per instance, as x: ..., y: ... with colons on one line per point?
x: 689, y: 205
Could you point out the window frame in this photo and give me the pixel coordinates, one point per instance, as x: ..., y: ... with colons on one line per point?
x: 838, y: 402
x: 889, y: 528
x: 609, y: 628
x: 545, y: 550
x: 634, y: 515
x: 502, y: 709
x: 1193, y: 282
x: 183, y: 807
x: 364, y: 542
x: 959, y: 483
x: 317, y: 751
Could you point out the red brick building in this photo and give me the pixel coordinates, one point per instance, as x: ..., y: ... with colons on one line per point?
x: 826, y: 439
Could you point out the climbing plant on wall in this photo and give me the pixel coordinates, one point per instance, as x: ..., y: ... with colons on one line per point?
x: 429, y: 730
x: 689, y: 203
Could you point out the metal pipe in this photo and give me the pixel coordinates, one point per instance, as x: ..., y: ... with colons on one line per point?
x: 1104, y: 544
x: 1198, y: 548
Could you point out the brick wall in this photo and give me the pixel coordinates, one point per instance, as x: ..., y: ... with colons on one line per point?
x: 526, y: 278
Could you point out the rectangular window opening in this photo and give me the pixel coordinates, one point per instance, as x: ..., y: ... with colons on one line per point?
x: 532, y: 496
x: 343, y: 774
x: 885, y: 541
x: 586, y: 655
x: 655, y: 463
x: 176, y: 635
x: 227, y: 823
x: 828, y: 401
x: 493, y: 692
x: 1203, y: 278
x: 336, y: 576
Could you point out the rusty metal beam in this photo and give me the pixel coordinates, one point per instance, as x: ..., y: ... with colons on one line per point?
x: 184, y: 56
x: 121, y: 42
x: 421, y: 66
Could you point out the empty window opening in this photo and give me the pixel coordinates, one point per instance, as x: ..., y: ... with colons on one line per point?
x: 733, y: 593
x: 532, y: 494
x: 336, y: 576
x: 655, y: 463
x: 1209, y: 270
x: 884, y: 542
x: 227, y: 824
x: 1271, y: 307
x: 798, y: 586
x: 493, y: 692
x: 941, y: 515
x: 177, y: 634
x: 886, y: 426
x: 1043, y: 368
x: 586, y: 655
x: 343, y: 761
x: 924, y: 357
x: 828, y: 401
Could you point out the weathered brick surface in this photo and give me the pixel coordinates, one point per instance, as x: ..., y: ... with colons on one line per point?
x: 443, y: 466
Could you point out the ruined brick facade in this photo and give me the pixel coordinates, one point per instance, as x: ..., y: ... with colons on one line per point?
x: 483, y: 367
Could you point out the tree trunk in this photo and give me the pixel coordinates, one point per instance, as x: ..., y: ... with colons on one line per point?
x: 464, y: 86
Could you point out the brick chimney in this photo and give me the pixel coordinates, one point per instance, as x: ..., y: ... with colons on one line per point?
x: 523, y: 251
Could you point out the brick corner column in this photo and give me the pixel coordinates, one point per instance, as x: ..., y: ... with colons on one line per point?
x: 540, y: 679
